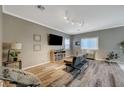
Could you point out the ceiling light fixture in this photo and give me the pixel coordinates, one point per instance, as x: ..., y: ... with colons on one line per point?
x: 73, y: 21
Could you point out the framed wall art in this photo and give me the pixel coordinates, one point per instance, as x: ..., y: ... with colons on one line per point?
x: 36, y: 47
x: 37, y: 37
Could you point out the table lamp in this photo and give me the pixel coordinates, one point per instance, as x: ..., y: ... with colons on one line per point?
x: 14, y: 47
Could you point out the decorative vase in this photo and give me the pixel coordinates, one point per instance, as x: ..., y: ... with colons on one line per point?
x: 14, y: 59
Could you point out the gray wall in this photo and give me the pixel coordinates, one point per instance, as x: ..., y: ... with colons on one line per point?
x: 0, y: 34
x: 109, y: 40
x: 18, y: 30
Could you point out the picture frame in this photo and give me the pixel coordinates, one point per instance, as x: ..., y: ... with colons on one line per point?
x: 37, y: 47
x: 37, y: 37
x: 77, y: 43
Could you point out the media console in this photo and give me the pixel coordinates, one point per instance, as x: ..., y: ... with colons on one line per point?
x: 57, y: 55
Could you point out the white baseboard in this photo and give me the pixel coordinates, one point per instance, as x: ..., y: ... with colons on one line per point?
x: 34, y: 65
x: 100, y: 59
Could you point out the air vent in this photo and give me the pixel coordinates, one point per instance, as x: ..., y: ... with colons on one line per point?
x: 42, y: 8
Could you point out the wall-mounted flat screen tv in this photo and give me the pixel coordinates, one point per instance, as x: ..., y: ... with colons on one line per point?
x: 55, y: 39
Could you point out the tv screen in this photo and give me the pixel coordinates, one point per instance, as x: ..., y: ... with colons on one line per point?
x: 54, y: 39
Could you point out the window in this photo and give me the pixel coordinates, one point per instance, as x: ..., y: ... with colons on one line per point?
x: 67, y: 43
x: 89, y: 43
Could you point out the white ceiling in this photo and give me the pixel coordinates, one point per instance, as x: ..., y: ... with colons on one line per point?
x: 95, y: 17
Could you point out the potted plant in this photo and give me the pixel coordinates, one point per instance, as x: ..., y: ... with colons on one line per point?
x: 14, y: 55
x: 112, y: 55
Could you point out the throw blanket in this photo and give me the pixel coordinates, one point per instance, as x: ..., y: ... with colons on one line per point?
x: 19, y: 77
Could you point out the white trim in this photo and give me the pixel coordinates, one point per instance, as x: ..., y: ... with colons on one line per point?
x: 9, y: 13
x: 100, y: 59
x: 34, y: 65
x: 12, y: 14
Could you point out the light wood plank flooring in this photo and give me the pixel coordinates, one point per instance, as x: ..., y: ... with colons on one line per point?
x: 98, y: 74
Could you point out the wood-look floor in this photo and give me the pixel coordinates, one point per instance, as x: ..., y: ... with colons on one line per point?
x: 98, y: 74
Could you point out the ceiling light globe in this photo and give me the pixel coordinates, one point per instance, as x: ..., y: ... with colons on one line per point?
x: 65, y: 18
x: 80, y: 24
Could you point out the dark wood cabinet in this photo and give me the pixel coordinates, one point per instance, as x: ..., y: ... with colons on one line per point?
x: 13, y: 64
